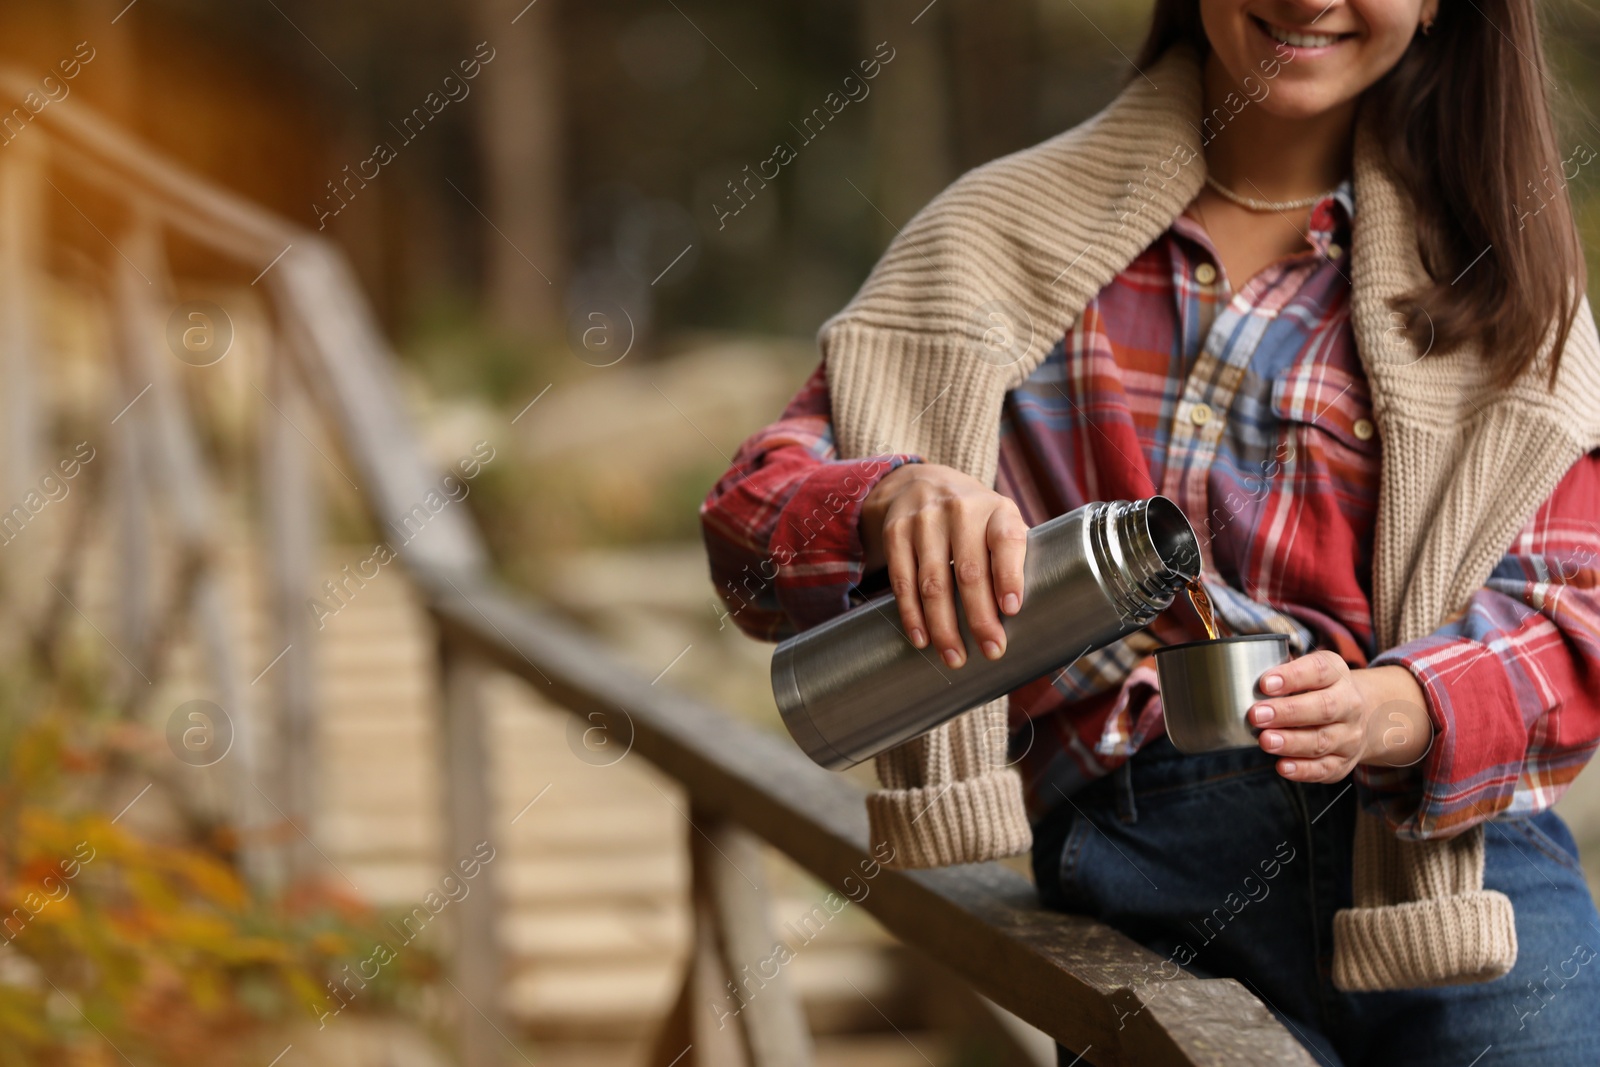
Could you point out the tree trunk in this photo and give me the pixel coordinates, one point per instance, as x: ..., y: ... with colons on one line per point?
x: 522, y: 151
x: 993, y: 58
x: 910, y: 110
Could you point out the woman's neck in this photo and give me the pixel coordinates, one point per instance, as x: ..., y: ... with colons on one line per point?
x: 1262, y: 155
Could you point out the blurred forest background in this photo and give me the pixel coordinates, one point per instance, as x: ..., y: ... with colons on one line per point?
x: 559, y: 251
x: 588, y: 167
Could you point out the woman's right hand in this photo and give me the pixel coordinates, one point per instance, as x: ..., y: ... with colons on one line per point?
x: 919, y: 518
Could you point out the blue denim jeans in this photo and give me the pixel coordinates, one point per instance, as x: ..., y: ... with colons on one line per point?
x: 1222, y: 865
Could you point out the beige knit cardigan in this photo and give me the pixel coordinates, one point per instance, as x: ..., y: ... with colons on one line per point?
x: 965, y: 304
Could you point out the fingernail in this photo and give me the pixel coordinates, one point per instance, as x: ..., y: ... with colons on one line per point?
x: 952, y: 657
x: 1271, y: 683
x: 1287, y: 766
x: 1273, y: 740
x: 1010, y: 603
x: 917, y: 640
x: 1263, y: 714
x: 991, y: 649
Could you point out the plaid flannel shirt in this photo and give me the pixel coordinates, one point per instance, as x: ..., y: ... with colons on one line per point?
x: 1250, y: 410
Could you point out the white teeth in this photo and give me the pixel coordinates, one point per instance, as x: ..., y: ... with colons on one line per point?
x: 1301, y: 40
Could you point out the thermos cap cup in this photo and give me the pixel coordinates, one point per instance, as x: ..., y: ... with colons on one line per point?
x: 1208, y: 687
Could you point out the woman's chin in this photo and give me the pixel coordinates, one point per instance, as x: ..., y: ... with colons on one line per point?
x: 1297, y: 103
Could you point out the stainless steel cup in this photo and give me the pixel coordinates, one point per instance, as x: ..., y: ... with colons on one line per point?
x: 1207, y: 687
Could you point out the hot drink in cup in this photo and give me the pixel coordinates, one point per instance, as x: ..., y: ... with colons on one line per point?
x: 1208, y: 687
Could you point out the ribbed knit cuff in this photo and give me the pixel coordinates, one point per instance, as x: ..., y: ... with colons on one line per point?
x: 1421, y: 916
x: 966, y: 821
x: 948, y: 795
x: 1454, y: 940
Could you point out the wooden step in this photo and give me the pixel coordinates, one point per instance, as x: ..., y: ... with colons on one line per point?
x: 541, y: 882
x: 552, y: 937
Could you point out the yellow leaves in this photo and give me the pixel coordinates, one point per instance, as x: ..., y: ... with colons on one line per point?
x: 328, y: 944
x: 44, y: 840
x: 36, y: 755
x: 163, y: 946
x: 214, y: 881
x: 20, y: 1018
x: 258, y: 950
x: 62, y: 910
x: 150, y: 895
x: 195, y: 929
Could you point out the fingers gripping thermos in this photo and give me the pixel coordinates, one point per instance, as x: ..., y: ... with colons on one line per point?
x: 855, y: 686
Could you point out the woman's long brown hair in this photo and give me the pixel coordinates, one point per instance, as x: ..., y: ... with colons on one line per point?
x: 1466, y: 124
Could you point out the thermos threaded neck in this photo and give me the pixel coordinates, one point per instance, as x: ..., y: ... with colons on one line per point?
x: 1145, y: 552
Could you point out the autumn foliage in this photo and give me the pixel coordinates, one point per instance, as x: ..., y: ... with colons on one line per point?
x: 115, y: 948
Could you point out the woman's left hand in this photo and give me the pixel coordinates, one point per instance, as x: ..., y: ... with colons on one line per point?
x: 1323, y: 718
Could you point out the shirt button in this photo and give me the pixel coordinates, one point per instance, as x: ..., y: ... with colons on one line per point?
x: 1334, y: 251
x: 1200, y: 414
x: 1205, y: 274
x: 1362, y: 430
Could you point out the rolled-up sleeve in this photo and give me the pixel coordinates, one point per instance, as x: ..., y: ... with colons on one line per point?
x: 1512, y: 681
x: 782, y: 526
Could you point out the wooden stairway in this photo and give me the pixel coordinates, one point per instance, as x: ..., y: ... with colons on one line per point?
x: 592, y: 858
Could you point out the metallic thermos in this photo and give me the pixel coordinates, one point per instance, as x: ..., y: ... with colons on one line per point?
x: 855, y: 686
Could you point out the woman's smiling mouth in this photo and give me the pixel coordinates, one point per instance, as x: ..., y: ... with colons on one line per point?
x: 1296, y: 39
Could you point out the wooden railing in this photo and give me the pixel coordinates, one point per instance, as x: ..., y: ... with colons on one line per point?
x: 1082, y: 983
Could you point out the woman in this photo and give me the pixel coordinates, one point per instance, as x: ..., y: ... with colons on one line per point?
x: 1313, y: 276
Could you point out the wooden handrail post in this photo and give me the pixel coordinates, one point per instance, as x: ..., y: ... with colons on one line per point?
x: 22, y: 218
x: 180, y: 472
x: 130, y: 499
x: 742, y: 981
x: 692, y: 1035
x: 478, y: 970
x: 729, y: 876
x: 292, y: 518
x: 21, y: 262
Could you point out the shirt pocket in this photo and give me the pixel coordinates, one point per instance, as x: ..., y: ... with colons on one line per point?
x: 1326, y: 406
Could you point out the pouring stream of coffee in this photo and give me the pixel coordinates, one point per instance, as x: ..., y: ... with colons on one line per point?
x: 1203, y: 608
